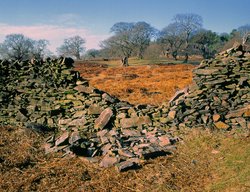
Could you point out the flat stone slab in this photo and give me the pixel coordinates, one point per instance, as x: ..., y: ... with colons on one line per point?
x: 103, y: 119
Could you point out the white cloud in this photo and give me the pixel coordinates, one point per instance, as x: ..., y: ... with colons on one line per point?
x: 54, y: 33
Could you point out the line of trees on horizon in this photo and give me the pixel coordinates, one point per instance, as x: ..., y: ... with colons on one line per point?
x: 185, y: 36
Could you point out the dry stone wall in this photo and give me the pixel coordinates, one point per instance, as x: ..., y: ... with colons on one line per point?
x: 45, y: 95
x: 29, y: 91
x: 220, y: 95
x: 51, y: 94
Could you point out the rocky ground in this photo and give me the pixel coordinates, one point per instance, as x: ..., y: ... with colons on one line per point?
x: 104, y: 131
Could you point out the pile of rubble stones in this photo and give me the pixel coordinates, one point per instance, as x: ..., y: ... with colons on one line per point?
x: 46, y: 95
x: 49, y: 94
x: 219, y: 96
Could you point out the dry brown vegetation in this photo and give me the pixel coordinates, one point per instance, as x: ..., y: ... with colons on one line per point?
x: 203, y: 161
x: 151, y: 84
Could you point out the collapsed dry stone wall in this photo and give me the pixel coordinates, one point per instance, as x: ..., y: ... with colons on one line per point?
x: 220, y: 95
x: 49, y: 94
x: 43, y: 95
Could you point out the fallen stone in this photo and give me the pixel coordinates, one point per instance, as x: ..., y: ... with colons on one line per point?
x: 84, y: 89
x: 108, y: 98
x: 95, y: 109
x: 102, y: 133
x: 103, y: 119
x: 221, y: 125
x: 89, y: 159
x: 153, y: 139
x: 178, y: 94
x: 135, y: 122
x: 64, y: 121
x: 205, y: 71
x: 74, y: 137
x: 78, y: 122
x: 108, y: 161
x: 154, y: 152
x: 62, y: 139
x: 171, y: 114
x: 242, y: 122
x: 113, y: 132
x: 216, y: 117
x: 239, y: 112
x: 164, y: 141
x: 39, y: 128
x: 79, y: 114
x: 106, y: 148
x: 104, y: 140
x: 129, y: 122
x: 126, y: 165
x: 125, y: 153
x: 49, y: 148
x: 21, y: 117
x: 131, y: 133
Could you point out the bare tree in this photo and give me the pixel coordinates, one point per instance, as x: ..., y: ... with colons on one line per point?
x: 19, y: 47
x: 128, y: 39
x: 244, y: 33
x: 119, y: 45
x: 142, y: 33
x: 173, y: 38
x: 188, y: 23
x: 40, y: 49
x: 92, y: 53
x: 121, y: 27
x: 72, y: 46
x: 16, y: 46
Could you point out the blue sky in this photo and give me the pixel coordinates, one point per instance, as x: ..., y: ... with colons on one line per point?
x: 56, y: 20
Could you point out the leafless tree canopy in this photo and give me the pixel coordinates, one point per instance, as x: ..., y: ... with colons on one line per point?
x: 129, y: 39
x: 188, y: 24
x: 245, y: 33
x: 173, y: 37
x: 19, y: 47
x: 73, y: 46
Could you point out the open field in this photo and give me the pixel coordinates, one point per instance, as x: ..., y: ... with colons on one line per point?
x: 204, y: 161
x: 143, y: 84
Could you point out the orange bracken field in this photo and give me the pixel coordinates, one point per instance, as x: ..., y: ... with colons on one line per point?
x: 150, y: 84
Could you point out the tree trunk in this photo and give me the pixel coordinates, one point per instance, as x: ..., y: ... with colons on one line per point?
x: 140, y: 56
x: 186, y: 58
x: 186, y: 49
x: 174, y: 55
x: 167, y: 54
x: 125, y: 61
x: 78, y: 57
